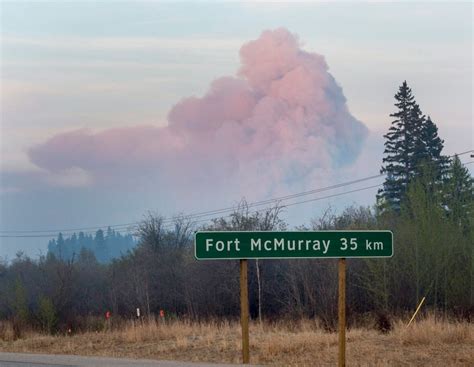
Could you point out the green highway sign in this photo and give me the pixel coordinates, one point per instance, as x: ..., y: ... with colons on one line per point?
x: 279, y: 245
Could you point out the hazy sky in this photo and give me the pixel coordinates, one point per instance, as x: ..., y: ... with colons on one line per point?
x: 102, y: 65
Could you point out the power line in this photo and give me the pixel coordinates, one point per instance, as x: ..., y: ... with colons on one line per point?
x: 129, y: 226
x: 300, y: 202
x: 210, y: 212
x: 206, y: 213
x: 207, y: 219
x: 306, y: 201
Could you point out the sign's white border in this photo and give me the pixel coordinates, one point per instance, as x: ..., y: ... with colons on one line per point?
x: 296, y: 257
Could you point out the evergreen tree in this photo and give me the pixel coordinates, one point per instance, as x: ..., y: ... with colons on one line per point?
x: 110, y: 242
x: 20, y: 302
x: 400, y: 146
x: 412, y: 143
x: 420, y: 152
x: 110, y: 234
x: 459, y: 195
x: 430, y: 149
x: 101, y: 246
x: 459, y: 204
x: 61, y: 246
x: 81, y: 241
x: 47, y: 314
x: 73, y: 244
x: 52, y: 247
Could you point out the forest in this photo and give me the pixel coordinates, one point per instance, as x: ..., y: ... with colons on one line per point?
x: 104, y: 247
x: 427, y: 200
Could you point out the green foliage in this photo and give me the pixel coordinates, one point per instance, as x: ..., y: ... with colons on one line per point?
x: 429, y: 150
x: 423, y: 216
x: 47, y: 314
x: 412, y: 143
x: 432, y: 258
x: 20, y: 303
x: 400, y: 146
x: 459, y: 195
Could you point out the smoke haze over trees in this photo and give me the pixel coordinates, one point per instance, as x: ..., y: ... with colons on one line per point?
x: 104, y: 247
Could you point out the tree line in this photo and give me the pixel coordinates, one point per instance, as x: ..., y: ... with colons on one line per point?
x: 427, y: 200
x: 104, y: 247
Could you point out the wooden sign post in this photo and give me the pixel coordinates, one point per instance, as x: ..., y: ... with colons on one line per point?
x: 244, y: 311
x: 243, y: 245
x: 342, y: 312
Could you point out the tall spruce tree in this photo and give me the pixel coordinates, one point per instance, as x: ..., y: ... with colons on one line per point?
x: 431, y: 146
x: 101, y: 251
x: 412, y: 143
x: 400, y: 146
x: 61, y: 246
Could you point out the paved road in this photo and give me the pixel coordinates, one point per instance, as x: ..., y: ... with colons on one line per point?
x: 50, y: 360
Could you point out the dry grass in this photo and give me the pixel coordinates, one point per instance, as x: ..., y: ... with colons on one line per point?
x: 302, y: 343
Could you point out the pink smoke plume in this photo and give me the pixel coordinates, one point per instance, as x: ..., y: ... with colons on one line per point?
x: 283, y: 119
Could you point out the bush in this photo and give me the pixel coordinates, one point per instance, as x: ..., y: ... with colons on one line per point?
x: 47, y: 315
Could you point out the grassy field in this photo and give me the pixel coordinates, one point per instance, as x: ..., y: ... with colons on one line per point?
x: 303, y: 343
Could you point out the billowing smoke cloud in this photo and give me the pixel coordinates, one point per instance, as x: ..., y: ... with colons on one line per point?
x: 282, y: 120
